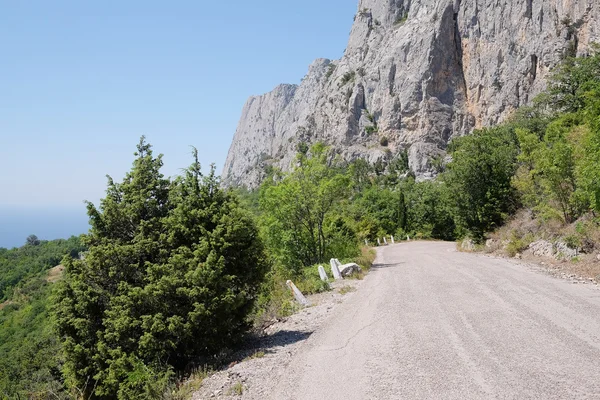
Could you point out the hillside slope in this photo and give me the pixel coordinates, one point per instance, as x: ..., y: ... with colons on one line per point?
x: 415, y: 74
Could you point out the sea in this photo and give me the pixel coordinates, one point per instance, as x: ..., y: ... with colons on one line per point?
x: 47, y: 223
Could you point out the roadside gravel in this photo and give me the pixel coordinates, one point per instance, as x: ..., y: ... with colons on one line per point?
x: 265, y: 361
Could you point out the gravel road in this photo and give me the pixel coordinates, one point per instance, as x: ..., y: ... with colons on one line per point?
x: 432, y: 323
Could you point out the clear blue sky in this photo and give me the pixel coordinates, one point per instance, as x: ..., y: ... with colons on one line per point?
x: 80, y: 81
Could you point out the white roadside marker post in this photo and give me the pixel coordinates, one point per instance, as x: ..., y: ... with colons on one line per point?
x: 366, y: 242
x: 378, y: 242
x: 384, y: 240
x: 298, y: 294
x: 335, y: 270
x: 393, y: 240
x: 407, y: 238
x: 323, y: 274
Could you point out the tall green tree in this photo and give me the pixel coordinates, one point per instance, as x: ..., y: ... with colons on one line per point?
x: 571, y: 81
x: 298, y: 209
x: 479, y: 179
x: 171, y: 273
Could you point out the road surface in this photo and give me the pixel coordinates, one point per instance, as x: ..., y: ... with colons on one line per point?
x: 433, y: 323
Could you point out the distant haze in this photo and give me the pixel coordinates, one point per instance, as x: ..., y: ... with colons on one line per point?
x: 16, y: 223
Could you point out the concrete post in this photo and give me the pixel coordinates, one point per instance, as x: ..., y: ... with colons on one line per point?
x: 335, y: 270
x: 366, y: 242
x: 298, y: 294
x: 384, y: 240
x: 407, y: 238
x: 323, y: 274
x: 378, y: 242
x: 393, y: 240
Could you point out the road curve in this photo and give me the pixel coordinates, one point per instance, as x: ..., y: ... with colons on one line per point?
x: 433, y: 323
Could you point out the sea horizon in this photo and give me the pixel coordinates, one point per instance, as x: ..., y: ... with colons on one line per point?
x: 47, y: 223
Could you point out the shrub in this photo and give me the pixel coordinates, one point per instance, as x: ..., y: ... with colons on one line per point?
x: 401, y: 20
x: 370, y: 129
x: 518, y: 243
x: 172, y: 272
x: 348, y: 77
x: 383, y: 141
x: 330, y: 69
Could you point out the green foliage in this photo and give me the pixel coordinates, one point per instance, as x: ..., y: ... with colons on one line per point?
x: 401, y: 20
x: 429, y: 210
x: 571, y: 82
x: 302, y: 148
x: 479, y: 179
x: 518, y: 243
x: 378, y: 211
x: 370, y: 129
x: 175, y: 268
x: 30, y: 356
x: 330, y: 69
x: 37, y: 256
x: 299, y: 210
x: 172, y: 271
x: 32, y: 240
x: 348, y: 77
x: 559, y: 160
x: 383, y: 141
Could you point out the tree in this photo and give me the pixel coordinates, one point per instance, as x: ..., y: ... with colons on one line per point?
x: 173, y: 269
x: 479, y: 179
x: 379, y: 211
x: 299, y: 207
x: 571, y: 80
x: 429, y: 210
x: 32, y: 240
x: 588, y: 164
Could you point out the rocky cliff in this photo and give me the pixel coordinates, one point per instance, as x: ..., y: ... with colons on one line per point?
x: 415, y: 74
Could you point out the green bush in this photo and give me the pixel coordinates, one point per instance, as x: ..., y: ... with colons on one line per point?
x: 370, y: 129
x: 401, y: 20
x: 330, y: 69
x: 348, y: 77
x: 518, y: 243
x: 172, y: 272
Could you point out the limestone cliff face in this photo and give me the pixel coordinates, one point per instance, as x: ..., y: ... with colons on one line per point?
x: 418, y: 73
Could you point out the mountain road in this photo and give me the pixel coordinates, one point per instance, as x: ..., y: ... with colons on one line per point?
x: 430, y: 322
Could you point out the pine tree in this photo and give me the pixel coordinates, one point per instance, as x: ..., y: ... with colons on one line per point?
x: 171, y: 273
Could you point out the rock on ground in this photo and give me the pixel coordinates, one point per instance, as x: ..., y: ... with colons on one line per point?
x: 349, y: 269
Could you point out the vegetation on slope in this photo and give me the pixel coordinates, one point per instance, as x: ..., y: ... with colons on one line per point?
x: 30, y: 357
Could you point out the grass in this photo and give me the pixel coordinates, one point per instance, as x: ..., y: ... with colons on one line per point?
x: 524, y: 228
x: 347, y: 289
x: 276, y: 300
x: 401, y: 20
x: 187, y: 388
x: 366, y: 258
x: 371, y: 129
x: 258, y: 354
x: 237, y: 389
x: 518, y: 244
